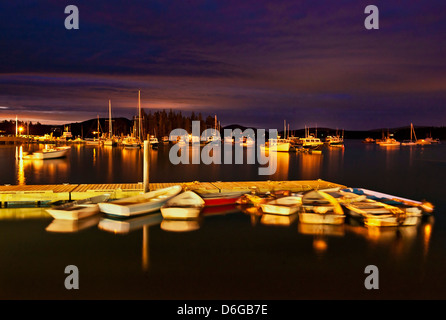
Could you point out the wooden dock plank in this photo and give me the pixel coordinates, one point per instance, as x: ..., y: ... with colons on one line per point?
x: 56, y: 192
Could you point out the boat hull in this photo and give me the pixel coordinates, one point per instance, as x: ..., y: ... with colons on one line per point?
x: 77, y: 210
x: 80, y: 213
x: 318, y: 218
x: 221, y: 199
x: 282, y: 206
x: 390, y: 221
x: 51, y: 154
x: 181, y: 213
x: 140, y: 204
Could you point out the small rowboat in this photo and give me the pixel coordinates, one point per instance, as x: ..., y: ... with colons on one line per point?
x: 320, y: 207
x: 284, y: 206
x: 378, y: 214
x: 391, y: 199
x: 186, y: 205
x: 180, y: 225
x: 79, y: 209
x: 143, y: 203
x: 257, y: 199
x: 221, y: 199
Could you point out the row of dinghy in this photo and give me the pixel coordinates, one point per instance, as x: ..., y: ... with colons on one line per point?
x: 327, y: 206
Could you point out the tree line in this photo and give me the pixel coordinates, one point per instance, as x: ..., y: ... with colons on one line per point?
x: 159, y: 123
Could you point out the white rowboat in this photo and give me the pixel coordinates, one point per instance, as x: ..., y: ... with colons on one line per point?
x: 186, y: 205
x: 140, y: 204
x: 79, y: 209
x: 320, y: 207
x: 284, y: 206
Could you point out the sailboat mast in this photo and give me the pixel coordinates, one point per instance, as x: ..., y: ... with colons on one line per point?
x: 139, y: 114
x: 110, y: 131
x: 98, y: 127
x: 284, y: 129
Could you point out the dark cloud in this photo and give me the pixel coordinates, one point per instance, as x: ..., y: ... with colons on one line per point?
x: 253, y: 62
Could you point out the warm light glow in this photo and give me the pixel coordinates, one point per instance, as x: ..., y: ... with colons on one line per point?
x: 320, y: 245
x: 21, y: 170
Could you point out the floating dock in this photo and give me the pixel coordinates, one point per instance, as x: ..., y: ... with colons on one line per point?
x: 43, y: 194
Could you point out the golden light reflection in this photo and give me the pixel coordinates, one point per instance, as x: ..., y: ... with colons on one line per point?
x: 336, y: 156
x: 274, y: 160
x: 320, y: 245
x: 145, y: 248
x: 283, y: 165
x: 21, y: 180
x: 52, y: 169
x: 310, y: 165
x: 427, y: 233
x: 23, y: 213
x: 321, y: 233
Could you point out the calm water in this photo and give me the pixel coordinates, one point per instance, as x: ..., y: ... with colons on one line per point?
x: 228, y: 255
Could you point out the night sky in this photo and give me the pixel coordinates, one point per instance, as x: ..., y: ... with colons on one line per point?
x: 251, y: 62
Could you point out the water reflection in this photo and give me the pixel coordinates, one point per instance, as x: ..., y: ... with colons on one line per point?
x: 125, y: 226
x: 52, y: 169
x: 321, y: 233
x: 278, y: 220
x: 335, y: 156
x: 71, y: 226
x: 310, y: 165
x: 399, y: 240
x: 23, y: 213
x: 21, y: 180
x: 283, y: 165
x: 181, y: 225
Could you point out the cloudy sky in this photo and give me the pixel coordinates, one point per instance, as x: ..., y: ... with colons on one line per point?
x: 251, y: 62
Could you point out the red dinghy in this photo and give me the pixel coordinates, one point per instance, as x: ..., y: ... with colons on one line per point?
x: 221, y: 199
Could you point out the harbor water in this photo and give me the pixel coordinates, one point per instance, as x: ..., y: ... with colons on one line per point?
x: 228, y: 254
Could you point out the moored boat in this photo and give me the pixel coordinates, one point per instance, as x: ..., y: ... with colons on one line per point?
x: 221, y: 198
x: 131, y: 142
x: 334, y: 140
x: 411, y: 142
x: 320, y: 207
x: 310, y: 142
x: 79, y: 209
x: 284, y: 206
x: 186, y: 205
x: 257, y: 199
x: 377, y: 214
x: 153, y: 141
x: 389, y: 142
x: 424, y: 206
x: 278, y: 145
x: 49, y: 153
x: 144, y: 203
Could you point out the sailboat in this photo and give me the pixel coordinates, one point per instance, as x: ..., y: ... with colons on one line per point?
x: 110, y: 141
x: 278, y: 144
x: 135, y: 141
x: 410, y: 142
